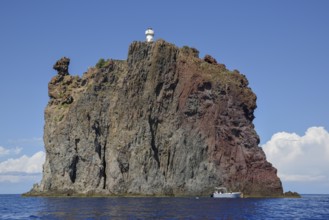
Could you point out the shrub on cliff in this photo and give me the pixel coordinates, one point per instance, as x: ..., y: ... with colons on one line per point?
x: 190, y: 51
x: 101, y: 63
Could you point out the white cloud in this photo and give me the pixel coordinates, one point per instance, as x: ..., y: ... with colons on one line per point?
x: 17, y: 150
x: 24, y: 164
x: 302, y: 178
x: 3, y: 151
x: 12, y: 178
x: 300, y: 158
x: 6, y: 151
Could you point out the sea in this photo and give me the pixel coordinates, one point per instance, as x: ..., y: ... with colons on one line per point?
x: 307, y: 207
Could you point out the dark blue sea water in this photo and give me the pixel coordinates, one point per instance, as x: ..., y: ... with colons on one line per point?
x: 308, y: 207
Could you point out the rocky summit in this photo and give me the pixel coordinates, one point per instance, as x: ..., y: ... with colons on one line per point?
x: 161, y: 123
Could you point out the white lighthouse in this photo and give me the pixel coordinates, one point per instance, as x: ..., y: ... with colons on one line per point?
x: 149, y: 35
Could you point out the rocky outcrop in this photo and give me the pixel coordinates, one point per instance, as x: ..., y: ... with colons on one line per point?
x: 210, y: 59
x: 290, y: 194
x: 163, y: 122
x: 62, y: 66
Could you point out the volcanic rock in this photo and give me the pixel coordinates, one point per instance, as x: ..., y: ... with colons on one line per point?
x: 62, y: 66
x: 210, y: 59
x: 162, y: 122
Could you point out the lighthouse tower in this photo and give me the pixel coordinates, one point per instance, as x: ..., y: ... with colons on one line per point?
x: 149, y: 35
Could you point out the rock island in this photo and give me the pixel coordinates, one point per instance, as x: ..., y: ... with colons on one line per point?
x: 164, y: 122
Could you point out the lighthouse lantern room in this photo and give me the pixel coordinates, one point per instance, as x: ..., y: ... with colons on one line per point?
x: 149, y: 35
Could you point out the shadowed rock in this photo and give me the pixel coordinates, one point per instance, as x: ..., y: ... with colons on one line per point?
x: 210, y: 59
x: 62, y: 66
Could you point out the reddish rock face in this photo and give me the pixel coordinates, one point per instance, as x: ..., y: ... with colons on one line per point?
x: 164, y: 122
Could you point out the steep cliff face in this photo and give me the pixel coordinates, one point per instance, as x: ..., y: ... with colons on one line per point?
x: 164, y: 122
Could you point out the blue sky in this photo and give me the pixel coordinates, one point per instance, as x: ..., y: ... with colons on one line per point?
x: 281, y: 46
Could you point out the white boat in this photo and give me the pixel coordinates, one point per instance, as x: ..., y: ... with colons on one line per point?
x: 221, y: 192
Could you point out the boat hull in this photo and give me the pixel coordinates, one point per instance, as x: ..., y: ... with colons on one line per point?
x: 227, y: 195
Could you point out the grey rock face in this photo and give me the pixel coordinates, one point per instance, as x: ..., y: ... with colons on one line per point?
x: 164, y: 122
